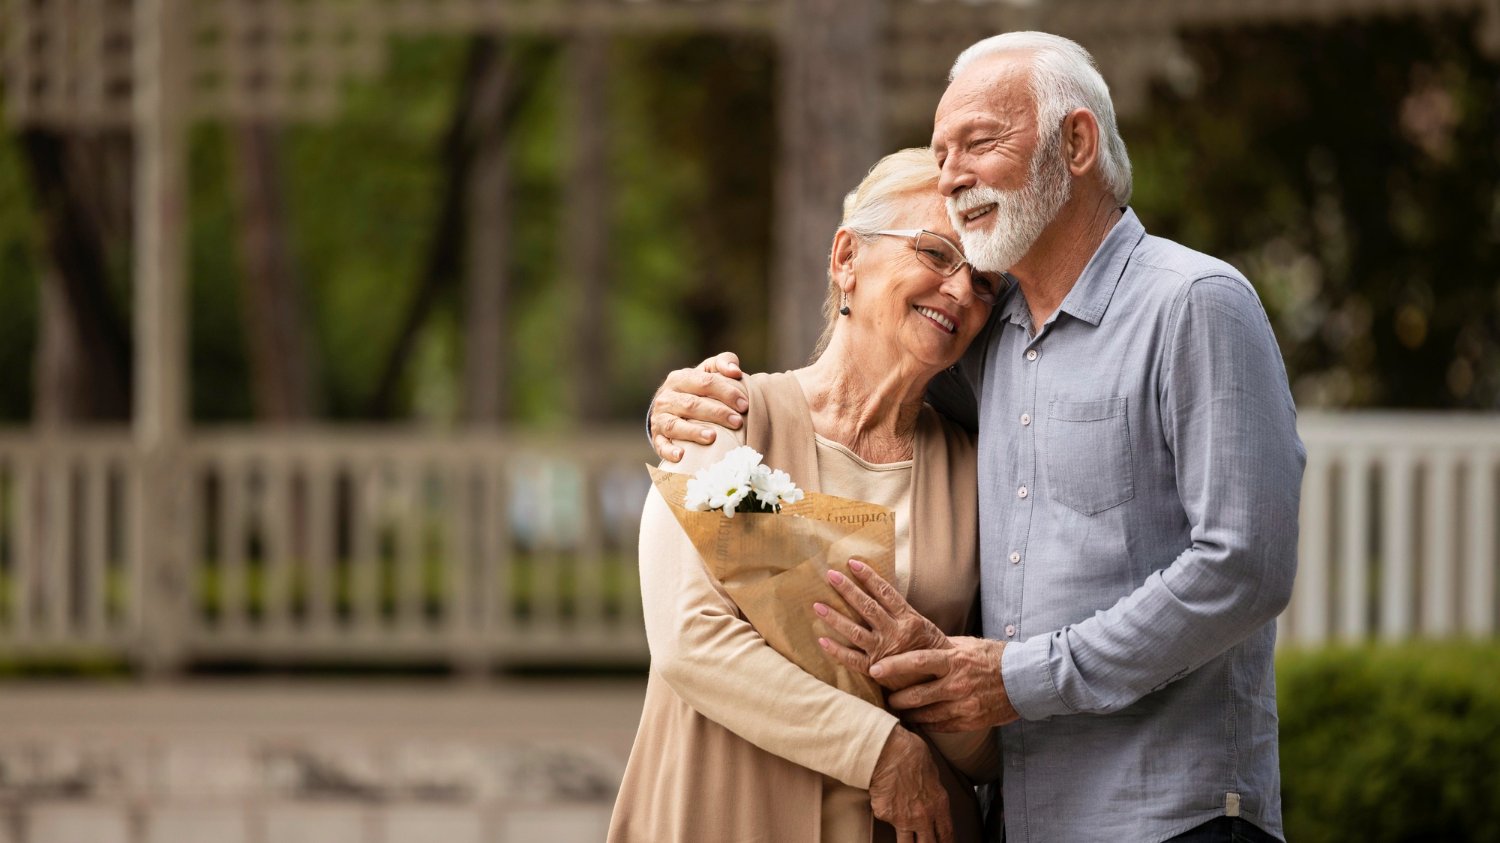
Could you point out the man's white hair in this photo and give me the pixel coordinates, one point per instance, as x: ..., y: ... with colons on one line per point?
x: 1063, y: 78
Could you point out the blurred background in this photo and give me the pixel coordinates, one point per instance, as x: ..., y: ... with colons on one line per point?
x: 327, y: 328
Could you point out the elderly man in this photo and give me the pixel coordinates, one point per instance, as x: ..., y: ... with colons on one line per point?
x: 1139, y: 473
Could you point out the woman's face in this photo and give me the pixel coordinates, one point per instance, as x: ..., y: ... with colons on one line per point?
x: 911, y: 306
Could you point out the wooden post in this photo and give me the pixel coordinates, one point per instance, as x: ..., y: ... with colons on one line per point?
x: 1310, y: 612
x: 486, y: 274
x: 160, y: 327
x: 831, y: 131
x: 1354, y: 561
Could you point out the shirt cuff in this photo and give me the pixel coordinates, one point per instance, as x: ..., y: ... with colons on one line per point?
x: 1026, y: 670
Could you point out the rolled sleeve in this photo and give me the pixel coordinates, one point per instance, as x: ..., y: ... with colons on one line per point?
x: 1027, y: 669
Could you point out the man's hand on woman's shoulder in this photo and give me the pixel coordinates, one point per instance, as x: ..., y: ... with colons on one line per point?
x: 711, y: 392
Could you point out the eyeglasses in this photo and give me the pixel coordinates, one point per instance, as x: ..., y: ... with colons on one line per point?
x: 940, y: 255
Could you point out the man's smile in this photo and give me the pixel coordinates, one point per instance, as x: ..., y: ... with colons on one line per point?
x: 976, y: 213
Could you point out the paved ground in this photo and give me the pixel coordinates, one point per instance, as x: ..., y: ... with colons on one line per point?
x: 313, y: 761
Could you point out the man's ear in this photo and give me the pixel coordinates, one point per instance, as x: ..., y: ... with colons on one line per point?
x: 1080, y: 142
x: 841, y: 259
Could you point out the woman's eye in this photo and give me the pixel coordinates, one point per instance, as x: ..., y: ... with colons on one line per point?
x: 936, y: 255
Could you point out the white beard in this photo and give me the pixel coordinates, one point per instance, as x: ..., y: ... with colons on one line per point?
x: 1020, y: 215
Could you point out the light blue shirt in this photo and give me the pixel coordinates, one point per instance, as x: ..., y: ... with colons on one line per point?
x: 1139, y: 473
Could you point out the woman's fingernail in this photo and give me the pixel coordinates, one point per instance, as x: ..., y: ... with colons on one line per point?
x: 734, y: 419
x: 742, y: 404
x: 856, y: 565
x: 823, y: 642
x: 877, y: 670
x: 677, y: 453
x: 835, y: 577
x: 820, y: 609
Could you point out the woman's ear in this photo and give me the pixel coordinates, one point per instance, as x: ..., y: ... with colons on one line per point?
x: 841, y: 259
x: 1080, y: 135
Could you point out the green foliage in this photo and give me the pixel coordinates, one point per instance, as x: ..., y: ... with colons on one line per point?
x: 220, y: 377
x: 691, y: 147
x: 1353, y: 172
x: 690, y: 184
x: 363, y: 195
x: 539, y: 307
x: 1391, y: 745
x: 694, y: 204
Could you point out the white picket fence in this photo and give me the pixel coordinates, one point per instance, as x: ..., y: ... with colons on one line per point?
x: 1398, y: 527
x: 333, y: 546
x: 474, y: 550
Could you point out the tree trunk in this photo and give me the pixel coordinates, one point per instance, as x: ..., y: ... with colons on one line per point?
x: 283, y: 362
x: 831, y: 122
x: 586, y: 236
x: 486, y: 109
x: 486, y: 277
x: 83, y: 347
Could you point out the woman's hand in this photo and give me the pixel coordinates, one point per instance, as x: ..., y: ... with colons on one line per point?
x: 890, y: 625
x: 712, y: 392
x: 907, y: 791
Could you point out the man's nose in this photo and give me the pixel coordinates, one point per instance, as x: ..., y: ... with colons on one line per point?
x: 954, y: 179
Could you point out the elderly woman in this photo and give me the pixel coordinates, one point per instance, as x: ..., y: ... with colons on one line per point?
x: 735, y: 741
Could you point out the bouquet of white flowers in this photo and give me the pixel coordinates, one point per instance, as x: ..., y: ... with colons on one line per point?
x: 740, y: 481
x: 773, y: 560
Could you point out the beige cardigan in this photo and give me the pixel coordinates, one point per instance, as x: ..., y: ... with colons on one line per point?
x: 736, y: 743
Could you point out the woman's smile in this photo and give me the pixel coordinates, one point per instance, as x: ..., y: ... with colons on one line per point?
x: 937, y: 317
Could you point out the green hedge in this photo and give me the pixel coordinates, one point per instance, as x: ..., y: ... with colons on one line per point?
x: 1391, y: 743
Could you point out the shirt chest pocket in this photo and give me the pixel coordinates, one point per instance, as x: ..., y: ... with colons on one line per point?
x: 1089, y: 455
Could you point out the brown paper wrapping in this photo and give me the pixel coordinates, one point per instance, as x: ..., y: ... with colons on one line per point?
x: 774, y: 566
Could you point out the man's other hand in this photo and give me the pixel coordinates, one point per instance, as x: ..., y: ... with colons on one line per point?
x: 965, y: 690
x: 711, y: 392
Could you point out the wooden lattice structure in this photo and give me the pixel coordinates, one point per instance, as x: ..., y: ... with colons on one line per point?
x: 854, y: 73
x: 73, y: 62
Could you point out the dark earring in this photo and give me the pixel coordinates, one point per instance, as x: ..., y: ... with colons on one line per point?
x: 844, y: 305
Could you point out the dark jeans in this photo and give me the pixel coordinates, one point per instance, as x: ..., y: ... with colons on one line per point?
x: 1225, y: 830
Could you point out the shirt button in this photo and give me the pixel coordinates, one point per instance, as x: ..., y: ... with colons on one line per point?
x: 1025, y: 419
x: 1015, y: 557
x: 1031, y: 355
x: 1010, y: 630
x: 1021, y: 492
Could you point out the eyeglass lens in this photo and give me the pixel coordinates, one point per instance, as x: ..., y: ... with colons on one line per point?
x: 937, y: 254
x: 943, y: 258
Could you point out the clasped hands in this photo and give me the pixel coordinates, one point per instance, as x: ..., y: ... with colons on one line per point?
x: 942, y: 683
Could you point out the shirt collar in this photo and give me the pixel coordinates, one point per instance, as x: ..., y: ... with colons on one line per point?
x: 1091, y: 294
x: 1014, y: 309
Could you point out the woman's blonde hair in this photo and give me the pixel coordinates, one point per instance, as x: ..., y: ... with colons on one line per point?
x: 873, y: 206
